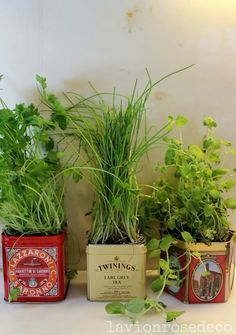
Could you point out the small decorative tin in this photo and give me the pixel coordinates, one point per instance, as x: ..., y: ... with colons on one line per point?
x: 116, y: 272
x: 217, y: 259
x: 35, y: 265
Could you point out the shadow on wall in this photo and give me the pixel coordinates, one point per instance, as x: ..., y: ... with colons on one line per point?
x: 78, y: 202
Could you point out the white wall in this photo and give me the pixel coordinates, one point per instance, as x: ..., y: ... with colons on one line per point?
x: 110, y: 43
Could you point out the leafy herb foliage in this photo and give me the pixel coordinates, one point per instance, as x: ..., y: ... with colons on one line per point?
x: 189, y: 200
x: 109, y: 134
x: 31, y: 189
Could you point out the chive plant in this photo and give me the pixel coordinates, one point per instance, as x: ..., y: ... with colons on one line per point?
x: 31, y: 188
x: 108, y: 132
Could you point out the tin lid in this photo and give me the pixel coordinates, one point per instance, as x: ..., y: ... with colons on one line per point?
x: 122, y: 249
x: 18, y: 241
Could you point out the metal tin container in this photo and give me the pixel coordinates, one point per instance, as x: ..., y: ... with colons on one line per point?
x: 116, y: 272
x: 35, y: 264
x: 218, y: 259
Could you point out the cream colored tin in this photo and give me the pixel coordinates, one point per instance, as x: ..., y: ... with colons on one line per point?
x: 116, y: 272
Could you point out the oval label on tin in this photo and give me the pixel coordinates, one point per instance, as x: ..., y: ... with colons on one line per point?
x: 207, y: 280
x: 33, y: 270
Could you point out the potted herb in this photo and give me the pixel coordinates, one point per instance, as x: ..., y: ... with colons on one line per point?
x: 31, y: 207
x: 190, y: 206
x: 108, y: 132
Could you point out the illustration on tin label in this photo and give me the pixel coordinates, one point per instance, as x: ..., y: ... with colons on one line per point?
x: 207, y: 287
x: 33, y: 270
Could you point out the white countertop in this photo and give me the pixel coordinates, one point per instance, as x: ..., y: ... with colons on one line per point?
x: 76, y: 315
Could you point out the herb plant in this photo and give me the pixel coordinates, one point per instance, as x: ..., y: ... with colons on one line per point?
x: 31, y: 188
x: 109, y: 134
x: 187, y: 204
x: 190, y: 199
x: 136, y: 308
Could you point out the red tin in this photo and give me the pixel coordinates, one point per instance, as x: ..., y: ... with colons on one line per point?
x: 218, y: 259
x: 35, y: 264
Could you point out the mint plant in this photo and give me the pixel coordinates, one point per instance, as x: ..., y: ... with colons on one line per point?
x: 136, y: 308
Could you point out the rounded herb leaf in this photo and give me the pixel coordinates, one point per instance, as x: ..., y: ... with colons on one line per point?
x: 181, y: 120
x: 154, y: 253
x: 219, y: 172
x: 157, y: 284
x: 214, y: 193
x: 196, y: 150
x: 172, y: 315
x: 153, y: 244
x: 164, y: 264
x: 166, y: 242
x: 187, y: 237
x: 135, y: 306
x: 14, y: 294
x: 230, y: 203
x: 209, y: 122
x: 115, y: 308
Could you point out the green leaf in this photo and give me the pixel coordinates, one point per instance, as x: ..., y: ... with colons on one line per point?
x: 5, y: 114
x: 187, y: 237
x: 153, y: 244
x: 215, y: 194
x: 115, y: 308
x: 209, y: 122
x: 154, y: 253
x: 62, y: 121
x: 166, y: 242
x: 181, y: 120
x: 232, y: 151
x: 230, y: 203
x: 77, y: 176
x: 219, y: 172
x: 172, y: 315
x: 228, y: 184
x: 208, y: 210
x: 135, y: 306
x: 41, y: 81
x: 169, y: 156
x: 214, y: 157
x: 157, y: 284
x: 196, y: 150
x: 71, y: 274
x: 226, y: 143
x: 49, y: 144
x: 14, y: 294
x: 164, y: 264
x: 210, y: 142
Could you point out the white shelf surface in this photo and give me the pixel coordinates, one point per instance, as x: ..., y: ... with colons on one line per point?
x: 78, y: 316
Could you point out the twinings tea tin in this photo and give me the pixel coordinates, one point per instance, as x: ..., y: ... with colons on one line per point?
x: 116, y: 272
x: 35, y: 265
x: 194, y: 286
